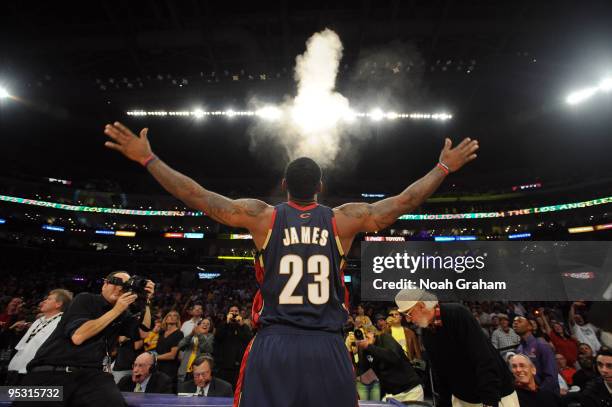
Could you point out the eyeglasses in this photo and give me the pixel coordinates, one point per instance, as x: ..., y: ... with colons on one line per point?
x: 114, y: 281
x: 200, y: 374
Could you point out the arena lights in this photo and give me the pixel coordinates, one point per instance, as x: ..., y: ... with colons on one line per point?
x: 519, y: 235
x: 527, y: 186
x: 105, y: 232
x: 372, y: 195
x: 173, y: 235
x: 581, y: 229
x: 236, y: 257
x: 125, y: 233
x: 193, y: 235
x: 53, y: 228
x: 208, y: 275
x: 4, y: 93
x: 2, y: 221
x: 274, y: 113
x: 240, y: 236
x: 585, y: 229
x: 453, y: 238
x: 580, y: 96
x: 60, y: 181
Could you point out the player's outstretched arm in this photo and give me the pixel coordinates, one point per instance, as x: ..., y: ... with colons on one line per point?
x: 353, y: 218
x: 251, y: 214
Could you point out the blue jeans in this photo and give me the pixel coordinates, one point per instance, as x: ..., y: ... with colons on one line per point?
x: 369, y: 391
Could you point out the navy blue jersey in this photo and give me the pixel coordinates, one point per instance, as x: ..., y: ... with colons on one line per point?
x: 299, y: 270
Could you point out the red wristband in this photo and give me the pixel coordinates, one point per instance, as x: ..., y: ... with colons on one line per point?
x: 443, y: 167
x: 145, y: 163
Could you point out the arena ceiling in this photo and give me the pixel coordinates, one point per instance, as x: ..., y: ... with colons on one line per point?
x: 503, y: 68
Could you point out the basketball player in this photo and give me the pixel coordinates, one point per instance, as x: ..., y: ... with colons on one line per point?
x: 298, y: 358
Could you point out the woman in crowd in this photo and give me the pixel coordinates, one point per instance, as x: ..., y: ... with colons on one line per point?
x: 193, y: 346
x: 362, y: 320
x: 167, y: 345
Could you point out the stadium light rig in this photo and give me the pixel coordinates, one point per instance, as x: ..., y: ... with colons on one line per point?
x: 4, y: 93
x: 579, y: 96
x: 273, y: 113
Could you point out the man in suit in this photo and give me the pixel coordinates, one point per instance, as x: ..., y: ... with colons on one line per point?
x: 145, y: 378
x: 203, y: 383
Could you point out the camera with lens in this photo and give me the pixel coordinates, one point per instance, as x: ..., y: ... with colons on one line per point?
x: 136, y: 285
x: 359, y: 334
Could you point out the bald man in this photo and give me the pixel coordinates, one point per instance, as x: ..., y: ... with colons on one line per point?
x: 145, y: 378
x: 529, y: 394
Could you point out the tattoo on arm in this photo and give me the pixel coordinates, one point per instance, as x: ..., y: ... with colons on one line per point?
x: 220, y: 208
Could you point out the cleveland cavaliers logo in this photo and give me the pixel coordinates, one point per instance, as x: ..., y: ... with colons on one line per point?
x: 305, y: 215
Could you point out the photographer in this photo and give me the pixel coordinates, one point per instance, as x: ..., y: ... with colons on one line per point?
x: 386, y: 357
x: 231, y: 339
x: 77, y: 354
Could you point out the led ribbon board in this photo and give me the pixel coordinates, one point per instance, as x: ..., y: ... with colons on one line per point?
x: 80, y: 208
x: 504, y: 214
x: 423, y: 216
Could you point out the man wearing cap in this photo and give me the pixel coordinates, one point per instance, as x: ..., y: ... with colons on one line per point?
x: 504, y: 338
x: 469, y: 369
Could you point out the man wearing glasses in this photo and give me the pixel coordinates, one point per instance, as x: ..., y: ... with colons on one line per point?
x: 470, y: 371
x: 404, y: 336
x: 77, y: 354
x: 203, y: 383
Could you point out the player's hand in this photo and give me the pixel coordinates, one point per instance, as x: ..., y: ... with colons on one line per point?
x: 455, y: 158
x: 124, y: 301
x: 230, y: 316
x: 127, y: 143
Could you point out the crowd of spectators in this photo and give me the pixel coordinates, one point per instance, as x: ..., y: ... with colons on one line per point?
x: 201, y: 331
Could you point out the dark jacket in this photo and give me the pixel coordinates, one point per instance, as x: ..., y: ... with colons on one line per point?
x: 464, y: 360
x: 595, y: 394
x: 58, y: 349
x: 218, y: 388
x: 159, y: 382
x: 390, y: 363
x: 539, y: 398
x: 230, y: 343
